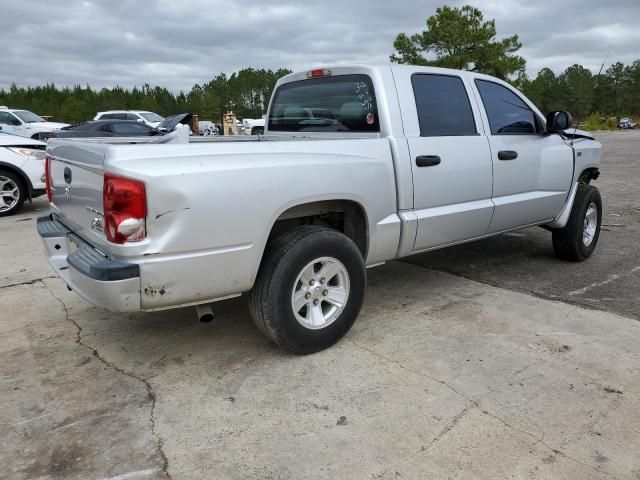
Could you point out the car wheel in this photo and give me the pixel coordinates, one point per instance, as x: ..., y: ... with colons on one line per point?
x: 257, y: 131
x: 309, y: 289
x: 578, y: 239
x: 12, y: 193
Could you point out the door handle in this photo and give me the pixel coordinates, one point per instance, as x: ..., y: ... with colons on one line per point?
x: 507, y: 155
x: 427, y: 160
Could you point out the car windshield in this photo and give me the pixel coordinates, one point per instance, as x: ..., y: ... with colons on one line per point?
x: 28, y: 117
x: 151, y: 117
x: 344, y: 103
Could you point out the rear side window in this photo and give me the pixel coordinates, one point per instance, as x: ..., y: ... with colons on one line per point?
x: 131, y: 116
x: 344, y: 103
x: 443, y: 106
x: 130, y: 129
x: 507, y: 112
x: 107, y: 116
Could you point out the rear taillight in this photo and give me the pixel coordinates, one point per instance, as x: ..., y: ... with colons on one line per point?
x: 47, y: 176
x: 125, y: 209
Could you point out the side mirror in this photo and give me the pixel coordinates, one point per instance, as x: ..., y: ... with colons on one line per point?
x: 558, y: 121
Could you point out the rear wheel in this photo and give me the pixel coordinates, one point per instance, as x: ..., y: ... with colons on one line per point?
x: 12, y: 193
x: 578, y: 239
x: 257, y: 131
x: 309, y: 289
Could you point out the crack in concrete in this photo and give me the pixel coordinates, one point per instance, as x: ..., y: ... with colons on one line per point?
x: 476, y: 404
x: 26, y: 282
x: 454, y: 422
x: 150, y: 393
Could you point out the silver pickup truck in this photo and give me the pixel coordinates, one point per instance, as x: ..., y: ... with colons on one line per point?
x: 358, y: 165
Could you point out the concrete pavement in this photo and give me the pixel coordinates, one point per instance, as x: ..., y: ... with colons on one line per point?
x: 441, y: 376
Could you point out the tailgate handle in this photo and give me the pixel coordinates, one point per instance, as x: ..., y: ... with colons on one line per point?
x: 67, y: 175
x: 427, y: 160
x: 507, y: 155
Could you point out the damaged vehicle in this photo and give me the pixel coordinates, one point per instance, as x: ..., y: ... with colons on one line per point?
x: 399, y: 160
x: 121, y: 128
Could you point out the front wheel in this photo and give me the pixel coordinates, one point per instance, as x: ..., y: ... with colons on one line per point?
x: 309, y: 289
x: 577, y: 240
x: 12, y: 193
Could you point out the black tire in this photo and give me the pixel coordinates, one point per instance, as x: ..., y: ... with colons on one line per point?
x: 568, y: 242
x: 22, y: 192
x: 286, y: 256
x: 257, y: 131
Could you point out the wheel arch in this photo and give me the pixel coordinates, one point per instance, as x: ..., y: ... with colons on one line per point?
x: 347, y: 216
x: 21, y: 174
x: 588, y: 174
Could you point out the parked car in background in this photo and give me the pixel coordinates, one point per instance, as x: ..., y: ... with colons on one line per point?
x: 150, y: 118
x: 25, y: 123
x: 358, y: 165
x: 21, y: 171
x: 253, y: 126
x: 107, y: 128
x: 121, y: 128
x: 626, y: 124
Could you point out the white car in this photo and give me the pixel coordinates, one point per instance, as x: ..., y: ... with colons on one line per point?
x: 22, y: 175
x: 26, y: 123
x: 253, y: 126
x: 150, y: 118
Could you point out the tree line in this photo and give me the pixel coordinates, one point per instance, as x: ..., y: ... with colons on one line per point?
x: 246, y: 93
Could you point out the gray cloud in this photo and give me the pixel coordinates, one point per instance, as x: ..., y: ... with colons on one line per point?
x: 177, y: 43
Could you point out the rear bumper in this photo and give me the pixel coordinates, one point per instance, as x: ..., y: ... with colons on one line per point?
x: 109, y: 284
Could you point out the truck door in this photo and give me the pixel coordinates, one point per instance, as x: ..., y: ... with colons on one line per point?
x: 532, y: 171
x: 450, y: 158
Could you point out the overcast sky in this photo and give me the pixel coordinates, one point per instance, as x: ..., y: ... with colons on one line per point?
x: 177, y: 43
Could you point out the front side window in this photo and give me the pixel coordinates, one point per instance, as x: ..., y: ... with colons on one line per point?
x: 7, y: 119
x: 344, y: 103
x: 443, y: 106
x: 507, y: 112
x: 28, y: 117
x: 151, y: 117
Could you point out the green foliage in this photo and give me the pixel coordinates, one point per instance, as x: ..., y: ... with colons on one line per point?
x: 614, y: 93
x: 597, y: 121
x: 460, y: 38
x: 246, y: 92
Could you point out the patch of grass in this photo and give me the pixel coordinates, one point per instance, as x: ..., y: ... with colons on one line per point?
x: 597, y: 121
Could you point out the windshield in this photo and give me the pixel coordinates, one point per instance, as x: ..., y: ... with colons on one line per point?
x: 151, y: 117
x: 344, y: 103
x: 28, y: 117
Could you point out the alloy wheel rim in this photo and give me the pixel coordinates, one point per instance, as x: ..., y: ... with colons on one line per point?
x: 9, y: 194
x: 590, y: 224
x: 320, y: 293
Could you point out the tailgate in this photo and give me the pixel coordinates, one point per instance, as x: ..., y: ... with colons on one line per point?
x: 76, y: 173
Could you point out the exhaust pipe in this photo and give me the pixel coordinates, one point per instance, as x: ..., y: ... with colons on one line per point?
x: 204, y: 312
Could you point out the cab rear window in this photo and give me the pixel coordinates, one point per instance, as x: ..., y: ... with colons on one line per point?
x: 344, y: 103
